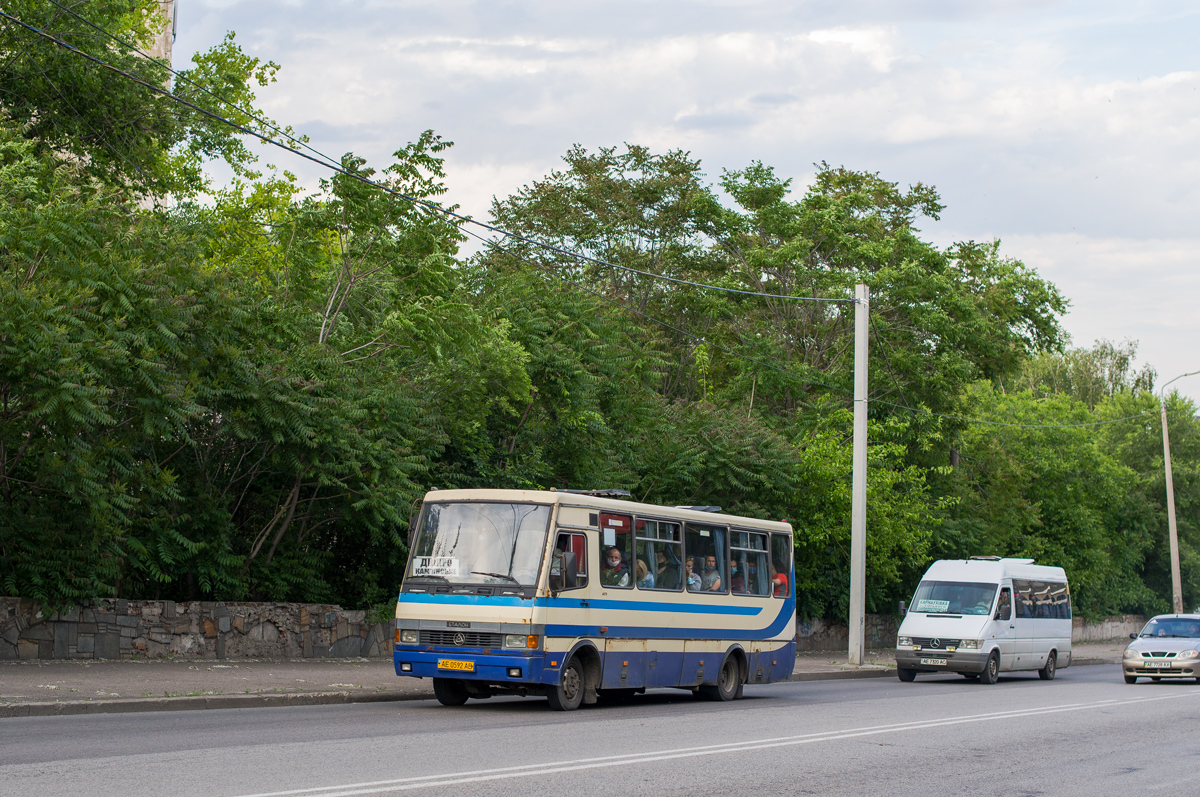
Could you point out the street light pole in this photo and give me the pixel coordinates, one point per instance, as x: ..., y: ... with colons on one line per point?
x: 1173, y: 535
x: 858, y: 494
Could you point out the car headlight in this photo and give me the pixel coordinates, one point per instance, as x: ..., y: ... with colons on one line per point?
x: 904, y: 642
x: 408, y: 636
x: 1130, y: 653
x: 970, y: 644
x: 1187, y: 654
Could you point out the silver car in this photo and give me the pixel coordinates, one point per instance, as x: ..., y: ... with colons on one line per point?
x: 1168, y: 647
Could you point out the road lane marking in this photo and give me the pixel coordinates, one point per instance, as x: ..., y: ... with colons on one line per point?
x: 574, y: 765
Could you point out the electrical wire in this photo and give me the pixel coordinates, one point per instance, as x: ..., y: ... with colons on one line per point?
x: 660, y: 322
x: 432, y: 206
x: 428, y: 206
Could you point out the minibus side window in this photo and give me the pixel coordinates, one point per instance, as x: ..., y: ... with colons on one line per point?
x: 1004, y: 607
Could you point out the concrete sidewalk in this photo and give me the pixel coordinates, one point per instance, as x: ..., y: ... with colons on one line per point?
x: 49, y: 688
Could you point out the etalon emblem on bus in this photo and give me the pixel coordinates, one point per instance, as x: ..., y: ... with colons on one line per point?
x: 460, y: 640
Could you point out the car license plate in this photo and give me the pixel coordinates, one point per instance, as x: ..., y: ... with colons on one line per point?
x: 1165, y: 665
x: 451, y: 664
x: 941, y: 662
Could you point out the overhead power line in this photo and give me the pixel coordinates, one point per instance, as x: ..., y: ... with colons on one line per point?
x: 327, y: 162
x: 433, y: 206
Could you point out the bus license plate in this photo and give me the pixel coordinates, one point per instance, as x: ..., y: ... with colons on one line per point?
x: 934, y: 661
x: 1166, y: 665
x: 451, y: 664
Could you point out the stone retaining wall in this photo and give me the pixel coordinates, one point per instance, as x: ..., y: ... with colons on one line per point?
x: 120, y: 629
x: 880, y: 631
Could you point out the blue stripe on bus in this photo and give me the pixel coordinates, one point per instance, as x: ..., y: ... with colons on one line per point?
x: 648, y: 606
x: 577, y: 603
x: 787, y: 611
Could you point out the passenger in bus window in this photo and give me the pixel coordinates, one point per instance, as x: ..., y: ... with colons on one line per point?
x: 645, y: 579
x: 710, y: 580
x: 737, y: 578
x: 614, y: 573
x: 666, y: 575
x: 694, y: 582
x: 780, y: 584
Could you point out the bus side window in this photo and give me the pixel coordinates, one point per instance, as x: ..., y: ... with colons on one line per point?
x: 577, y: 544
x: 781, y: 566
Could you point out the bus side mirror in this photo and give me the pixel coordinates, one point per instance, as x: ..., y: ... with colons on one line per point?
x: 571, y: 569
x: 564, y: 571
x: 903, y: 609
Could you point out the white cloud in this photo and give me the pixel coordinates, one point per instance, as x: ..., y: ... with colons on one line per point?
x: 1068, y: 129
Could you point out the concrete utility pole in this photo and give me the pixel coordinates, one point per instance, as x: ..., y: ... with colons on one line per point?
x: 1176, y: 583
x: 858, y: 501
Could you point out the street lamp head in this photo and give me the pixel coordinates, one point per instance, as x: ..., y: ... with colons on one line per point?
x: 1163, y: 390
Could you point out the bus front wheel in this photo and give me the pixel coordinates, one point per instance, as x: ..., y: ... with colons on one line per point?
x: 449, y: 691
x: 568, y: 693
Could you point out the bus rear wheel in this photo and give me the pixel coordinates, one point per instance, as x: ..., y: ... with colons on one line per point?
x: 728, y: 681
x: 567, y: 694
x: 449, y: 691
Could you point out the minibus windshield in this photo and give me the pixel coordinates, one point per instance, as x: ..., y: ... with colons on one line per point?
x: 954, y: 597
x: 480, y: 543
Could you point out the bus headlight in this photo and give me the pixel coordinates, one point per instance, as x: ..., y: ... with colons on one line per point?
x: 904, y: 642
x: 408, y: 636
x: 529, y: 641
x: 970, y: 644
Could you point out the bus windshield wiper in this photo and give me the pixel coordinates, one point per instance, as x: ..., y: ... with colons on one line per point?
x: 496, y: 575
x: 431, y: 578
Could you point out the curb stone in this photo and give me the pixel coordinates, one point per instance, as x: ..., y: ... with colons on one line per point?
x: 209, y: 702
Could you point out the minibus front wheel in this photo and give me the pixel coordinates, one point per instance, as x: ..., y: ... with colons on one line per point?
x: 991, y: 670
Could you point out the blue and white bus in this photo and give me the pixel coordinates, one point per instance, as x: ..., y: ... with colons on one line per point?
x: 575, y: 595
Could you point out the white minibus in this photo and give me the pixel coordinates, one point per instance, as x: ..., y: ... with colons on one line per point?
x: 985, y: 615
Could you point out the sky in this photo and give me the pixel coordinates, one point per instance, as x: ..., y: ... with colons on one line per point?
x: 1070, y: 131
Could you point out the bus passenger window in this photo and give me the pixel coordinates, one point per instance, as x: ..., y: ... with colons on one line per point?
x: 705, y: 547
x: 659, y: 555
x: 781, y: 566
x: 749, y: 573
x: 615, y: 549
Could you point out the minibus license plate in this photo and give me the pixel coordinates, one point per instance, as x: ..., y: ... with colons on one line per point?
x: 450, y: 664
x: 933, y: 661
x: 1156, y: 664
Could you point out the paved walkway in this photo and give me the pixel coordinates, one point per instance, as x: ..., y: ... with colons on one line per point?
x: 44, y: 688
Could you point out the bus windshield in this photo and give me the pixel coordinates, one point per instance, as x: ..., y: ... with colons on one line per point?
x: 480, y: 543
x: 954, y: 597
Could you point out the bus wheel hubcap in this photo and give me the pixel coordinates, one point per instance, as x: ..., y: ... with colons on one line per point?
x: 570, y: 684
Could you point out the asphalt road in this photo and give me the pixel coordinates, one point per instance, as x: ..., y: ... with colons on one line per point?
x: 1085, y: 733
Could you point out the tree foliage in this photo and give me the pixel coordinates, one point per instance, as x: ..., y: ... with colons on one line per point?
x: 243, y: 393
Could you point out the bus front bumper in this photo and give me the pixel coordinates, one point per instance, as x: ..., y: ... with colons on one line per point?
x: 499, y: 668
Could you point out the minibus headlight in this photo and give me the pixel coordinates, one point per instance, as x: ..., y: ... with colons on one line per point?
x: 1187, y: 654
x: 515, y: 641
x: 408, y: 636
x: 904, y: 642
x: 970, y: 644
